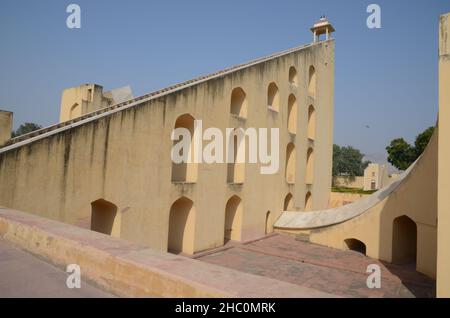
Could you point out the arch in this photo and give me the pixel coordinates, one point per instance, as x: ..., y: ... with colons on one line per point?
x: 311, y: 122
x: 233, y: 219
x: 104, y: 218
x: 238, y: 105
x: 293, y: 78
x: 373, y: 185
x: 292, y: 114
x: 310, y: 166
x: 236, y: 169
x: 312, y: 82
x: 355, y: 245
x: 404, y: 240
x: 273, y: 96
x: 288, y: 202
x: 89, y: 95
x: 290, y: 163
x: 268, y: 226
x: 308, y: 201
x: 75, y: 111
x: 181, y: 227
x: 185, y: 171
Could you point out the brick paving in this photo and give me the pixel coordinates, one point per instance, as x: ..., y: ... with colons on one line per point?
x: 342, y: 273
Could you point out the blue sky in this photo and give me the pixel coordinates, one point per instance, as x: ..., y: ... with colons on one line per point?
x: 385, y: 78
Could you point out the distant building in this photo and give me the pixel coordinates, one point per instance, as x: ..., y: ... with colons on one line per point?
x: 80, y: 100
x: 356, y: 182
x: 375, y: 176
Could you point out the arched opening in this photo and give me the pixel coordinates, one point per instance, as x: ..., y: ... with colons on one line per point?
x: 273, y: 97
x: 292, y: 114
x: 293, y: 78
x: 233, y: 219
x: 290, y: 163
x: 308, y: 201
x: 185, y: 171
x: 310, y: 166
x: 75, y: 111
x: 238, y: 102
x: 269, y: 227
x: 104, y: 218
x: 355, y: 245
x: 312, y: 82
x: 236, y: 169
x: 181, y: 226
x: 404, y: 241
x: 311, y: 122
x: 373, y: 185
x: 288, y: 203
x: 89, y: 95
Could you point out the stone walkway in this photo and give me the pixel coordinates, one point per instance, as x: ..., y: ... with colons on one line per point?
x: 282, y: 257
x: 24, y: 275
x: 342, y: 273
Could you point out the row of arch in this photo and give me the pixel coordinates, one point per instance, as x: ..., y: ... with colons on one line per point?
x: 273, y: 94
x: 289, y: 202
x: 291, y: 164
x: 106, y: 219
x: 239, y: 108
x: 239, y: 104
x: 182, y: 224
x: 292, y: 118
x: 404, y: 241
x: 312, y: 79
x: 293, y: 79
x: 181, y: 234
x: 187, y: 171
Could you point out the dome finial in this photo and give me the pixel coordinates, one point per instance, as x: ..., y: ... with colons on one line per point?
x: 323, y: 26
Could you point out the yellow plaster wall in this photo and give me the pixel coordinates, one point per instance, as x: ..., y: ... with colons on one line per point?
x: 416, y: 197
x: 88, y: 97
x: 5, y: 126
x: 443, y: 261
x: 124, y: 158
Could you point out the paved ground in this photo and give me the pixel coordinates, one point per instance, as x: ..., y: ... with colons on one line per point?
x: 24, y: 275
x: 341, y: 273
x: 282, y: 257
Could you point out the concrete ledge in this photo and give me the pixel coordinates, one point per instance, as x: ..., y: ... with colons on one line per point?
x: 133, y: 270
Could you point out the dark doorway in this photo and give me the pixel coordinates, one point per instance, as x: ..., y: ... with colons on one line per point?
x: 404, y: 241
x: 103, y: 216
x: 356, y: 245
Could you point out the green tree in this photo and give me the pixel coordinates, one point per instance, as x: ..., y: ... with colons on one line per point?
x: 401, y: 154
x: 348, y: 161
x: 25, y: 129
x: 422, y: 140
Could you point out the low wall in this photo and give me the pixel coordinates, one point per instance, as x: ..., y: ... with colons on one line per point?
x: 338, y: 199
x: 349, y: 182
x: 372, y: 219
x: 131, y: 270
